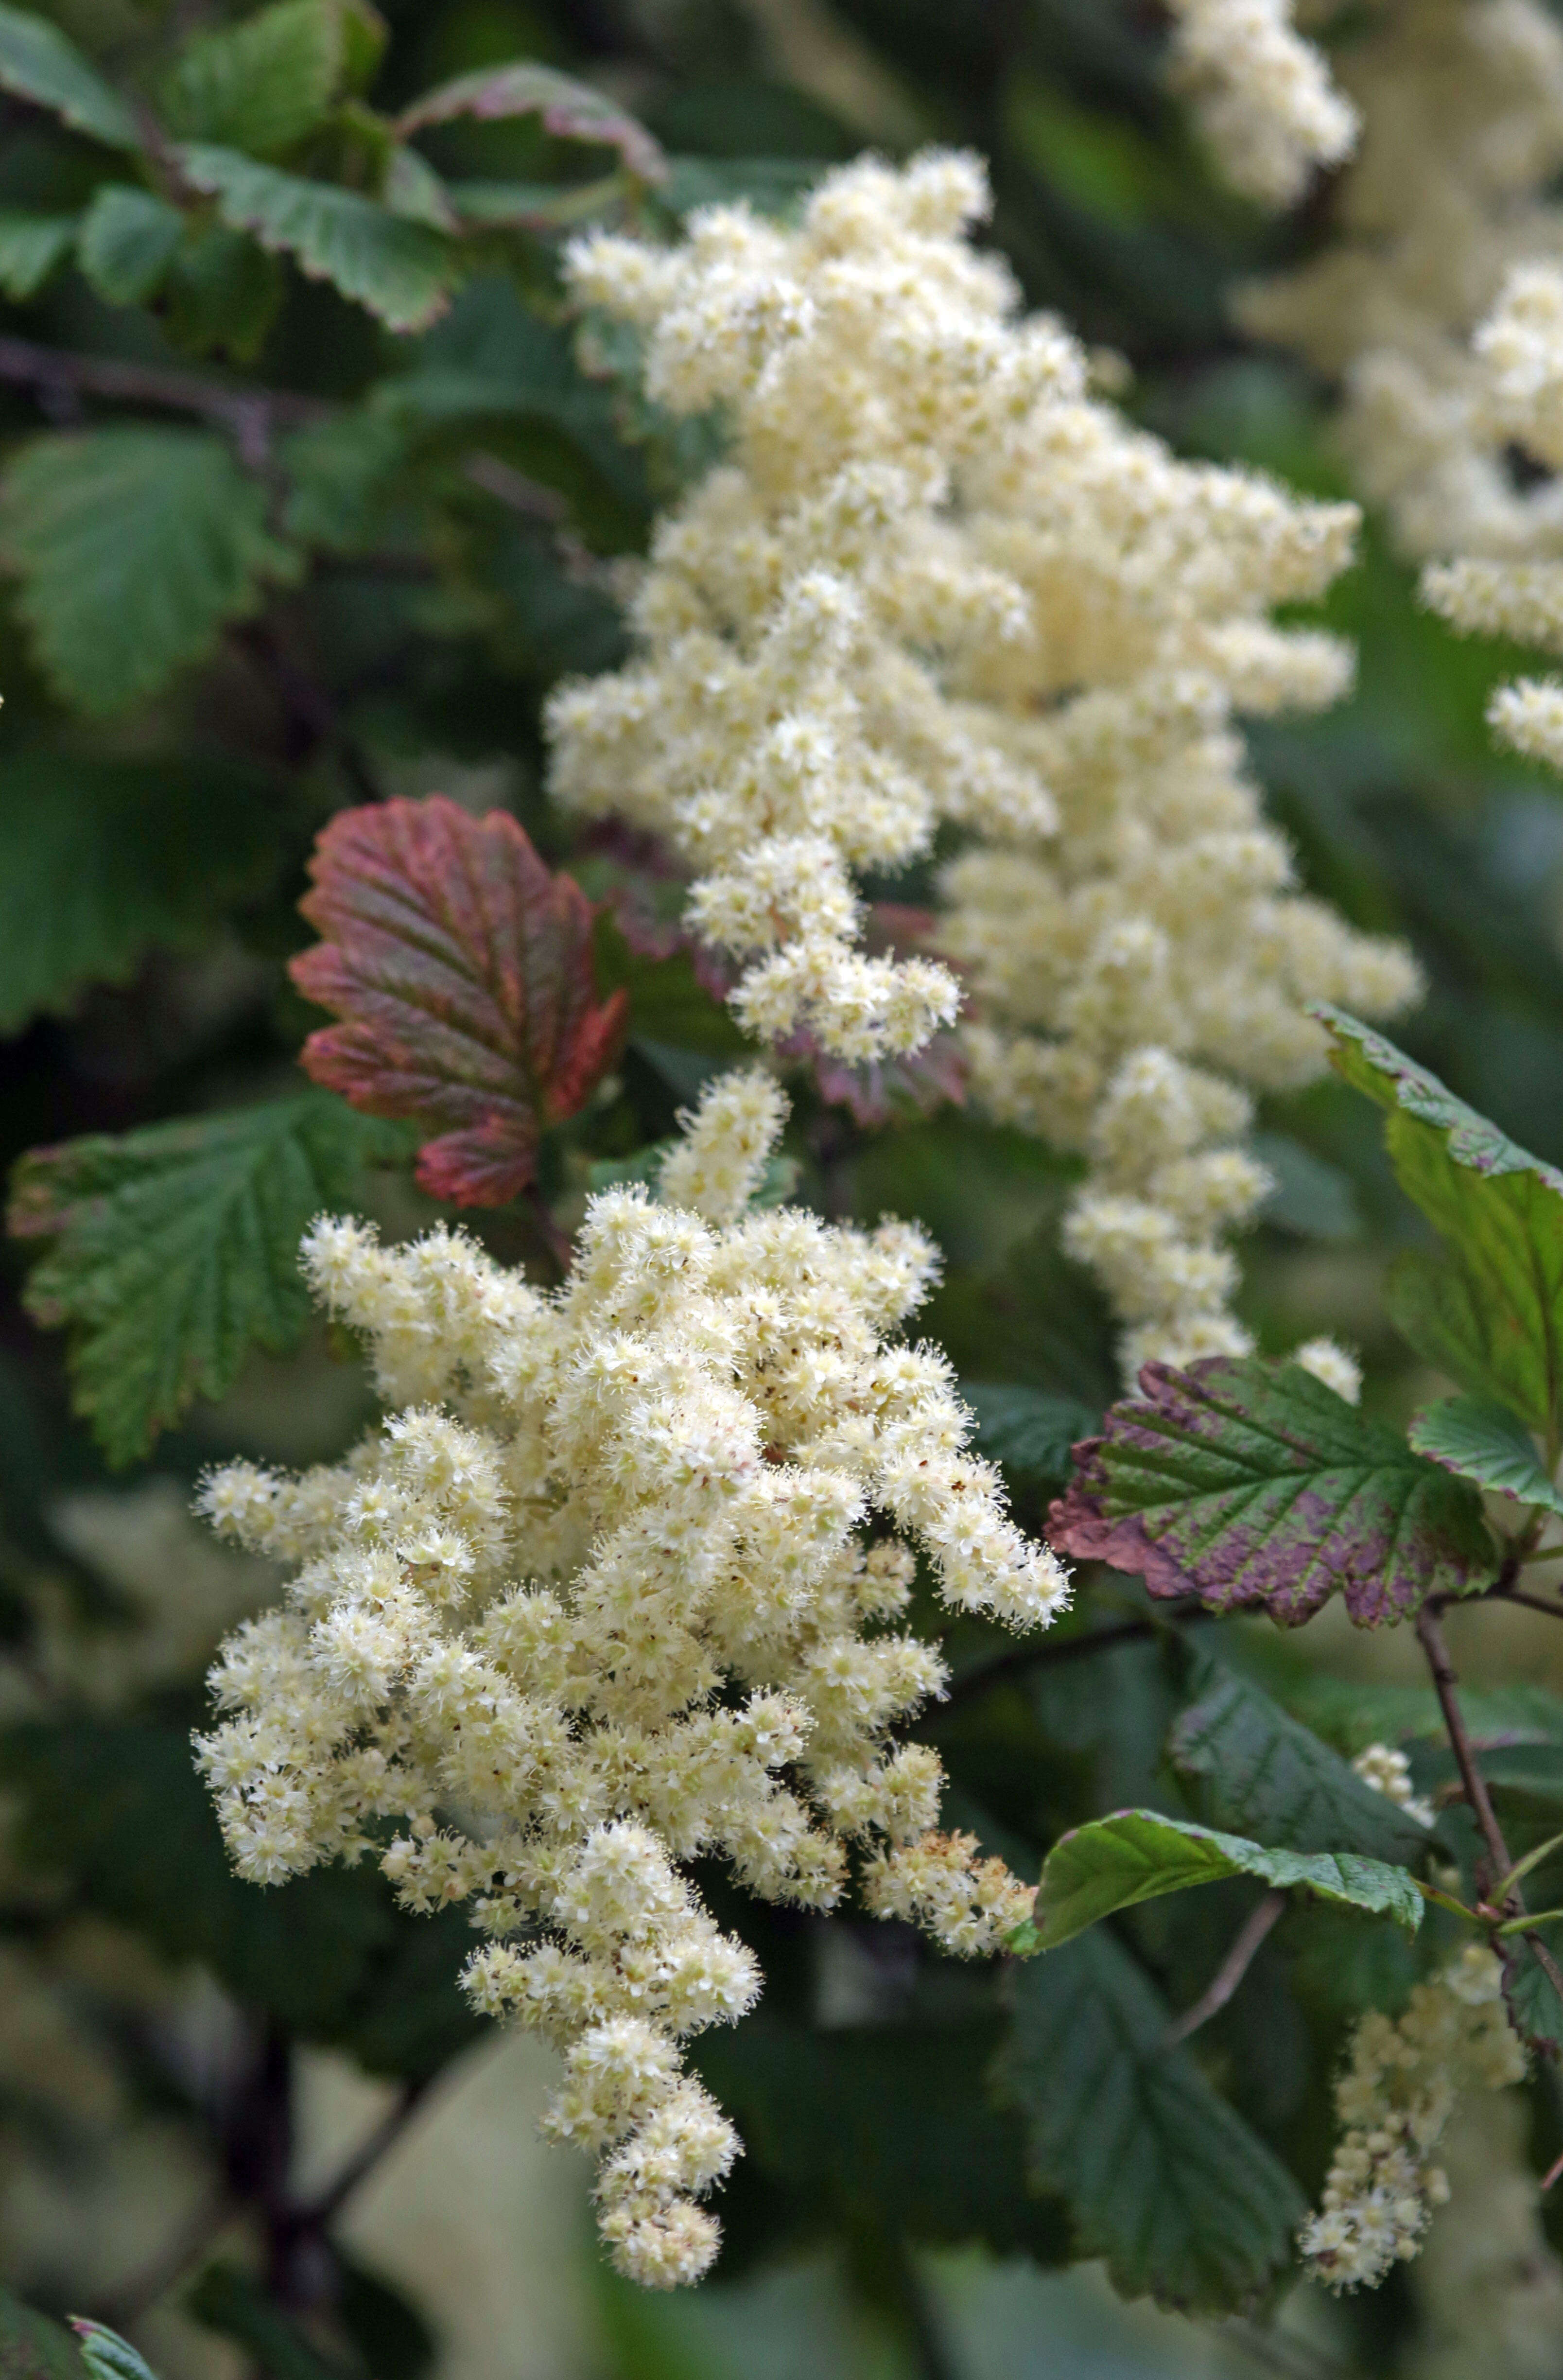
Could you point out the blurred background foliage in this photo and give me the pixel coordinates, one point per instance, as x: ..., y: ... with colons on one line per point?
x: 355, y: 571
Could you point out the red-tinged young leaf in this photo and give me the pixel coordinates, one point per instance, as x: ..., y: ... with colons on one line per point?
x: 570, y: 110
x: 462, y: 970
x: 1247, y: 1481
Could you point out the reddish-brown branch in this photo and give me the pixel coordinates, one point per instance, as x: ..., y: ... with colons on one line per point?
x: 1231, y: 1971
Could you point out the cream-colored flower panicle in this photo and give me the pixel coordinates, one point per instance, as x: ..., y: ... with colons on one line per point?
x: 1443, y: 216
x: 795, y: 712
x: 936, y: 582
x: 621, y: 1581
x: 1394, y: 2100
x: 1261, y: 94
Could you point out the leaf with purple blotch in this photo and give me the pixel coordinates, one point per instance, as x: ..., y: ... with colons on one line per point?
x: 1245, y: 1481
x: 462, y: 972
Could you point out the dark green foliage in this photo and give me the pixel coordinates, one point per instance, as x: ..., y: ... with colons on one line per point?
x: 176, y: 1249
x: 109, y: 859
x: 891, y: 2127
x: 1159, y: 2173
x: 133, y: 547
x: 117, y: 1810
x: 1254, y: 1770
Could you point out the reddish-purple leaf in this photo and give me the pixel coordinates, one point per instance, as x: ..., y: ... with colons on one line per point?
x: 570, y: 110
x: 1247, y: 1481
x: 462, y: 970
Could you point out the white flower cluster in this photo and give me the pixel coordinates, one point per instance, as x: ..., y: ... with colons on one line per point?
x: 1461, y: 107
x: 1262, y: 96
x: 810, y: 607
x: 1386, y: 1770
x: 938, y: 582
x: 597, y: 1598
x: 1394, y: 2099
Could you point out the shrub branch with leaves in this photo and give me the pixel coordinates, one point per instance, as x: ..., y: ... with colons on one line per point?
x: 812, y: 651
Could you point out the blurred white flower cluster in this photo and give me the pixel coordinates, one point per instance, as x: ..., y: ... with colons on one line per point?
x: 1262, y: 96
x: 1394, y: 2098
x: 936, y: 582
x: 597, y: 1597
x: 1449, y: 190
x: 1441, y: 303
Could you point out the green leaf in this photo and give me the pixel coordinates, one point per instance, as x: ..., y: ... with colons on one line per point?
x: 1160, y: 2174
x: 1530, y: 1995
x: 107, y: 2355
x: 176, y: 1250
x: 892, y: 2123
x: 31, y: 245
x: 570, y: 110
x: 104, y: 858
x: 1261, y: 1773
x: 1138, y: 1854
x: 133, y: 547
x: 127, y: 241
x: 33, y: 2347
x: 39, y: 64
x: 1247, y: 1481
x: 402, y: 272
x: 115, y: 1806
x: 1479, y: 1440
x: 223, y: 294
x: 1029, y: 1431
x: 1490, y: 1310
x: 259, y: 86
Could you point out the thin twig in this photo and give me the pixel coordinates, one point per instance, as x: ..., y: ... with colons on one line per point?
x: 558, y: 1242
x: 1049, y: 1653
x: 1231, y: 1971
x: 250, y: 414
x: 1534, y: 1602
x: 319, y: 2212
x: 1446, y: 1684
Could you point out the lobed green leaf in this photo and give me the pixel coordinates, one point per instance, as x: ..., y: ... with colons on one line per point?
x: 401, y: 272
x: 38, y: 63
x: 128, y: 239
x: 133, y: 547
x: 176, y: 1250
x: 32, y: 248
x: 1486, y: 1443
x: 1489, y: 1309
x: 1162, y: 2177
x: 1136, y: 1855
x: 259, y: 86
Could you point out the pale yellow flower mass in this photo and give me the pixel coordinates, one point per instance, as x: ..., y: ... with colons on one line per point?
x: 935, y: 583
x: 622, y: 1580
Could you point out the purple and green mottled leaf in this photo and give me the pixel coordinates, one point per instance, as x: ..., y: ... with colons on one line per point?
x: 1488, y: 1309
x: 1136, y: 1855
x: 1482, y: 1441
x: 1245, y: 1481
